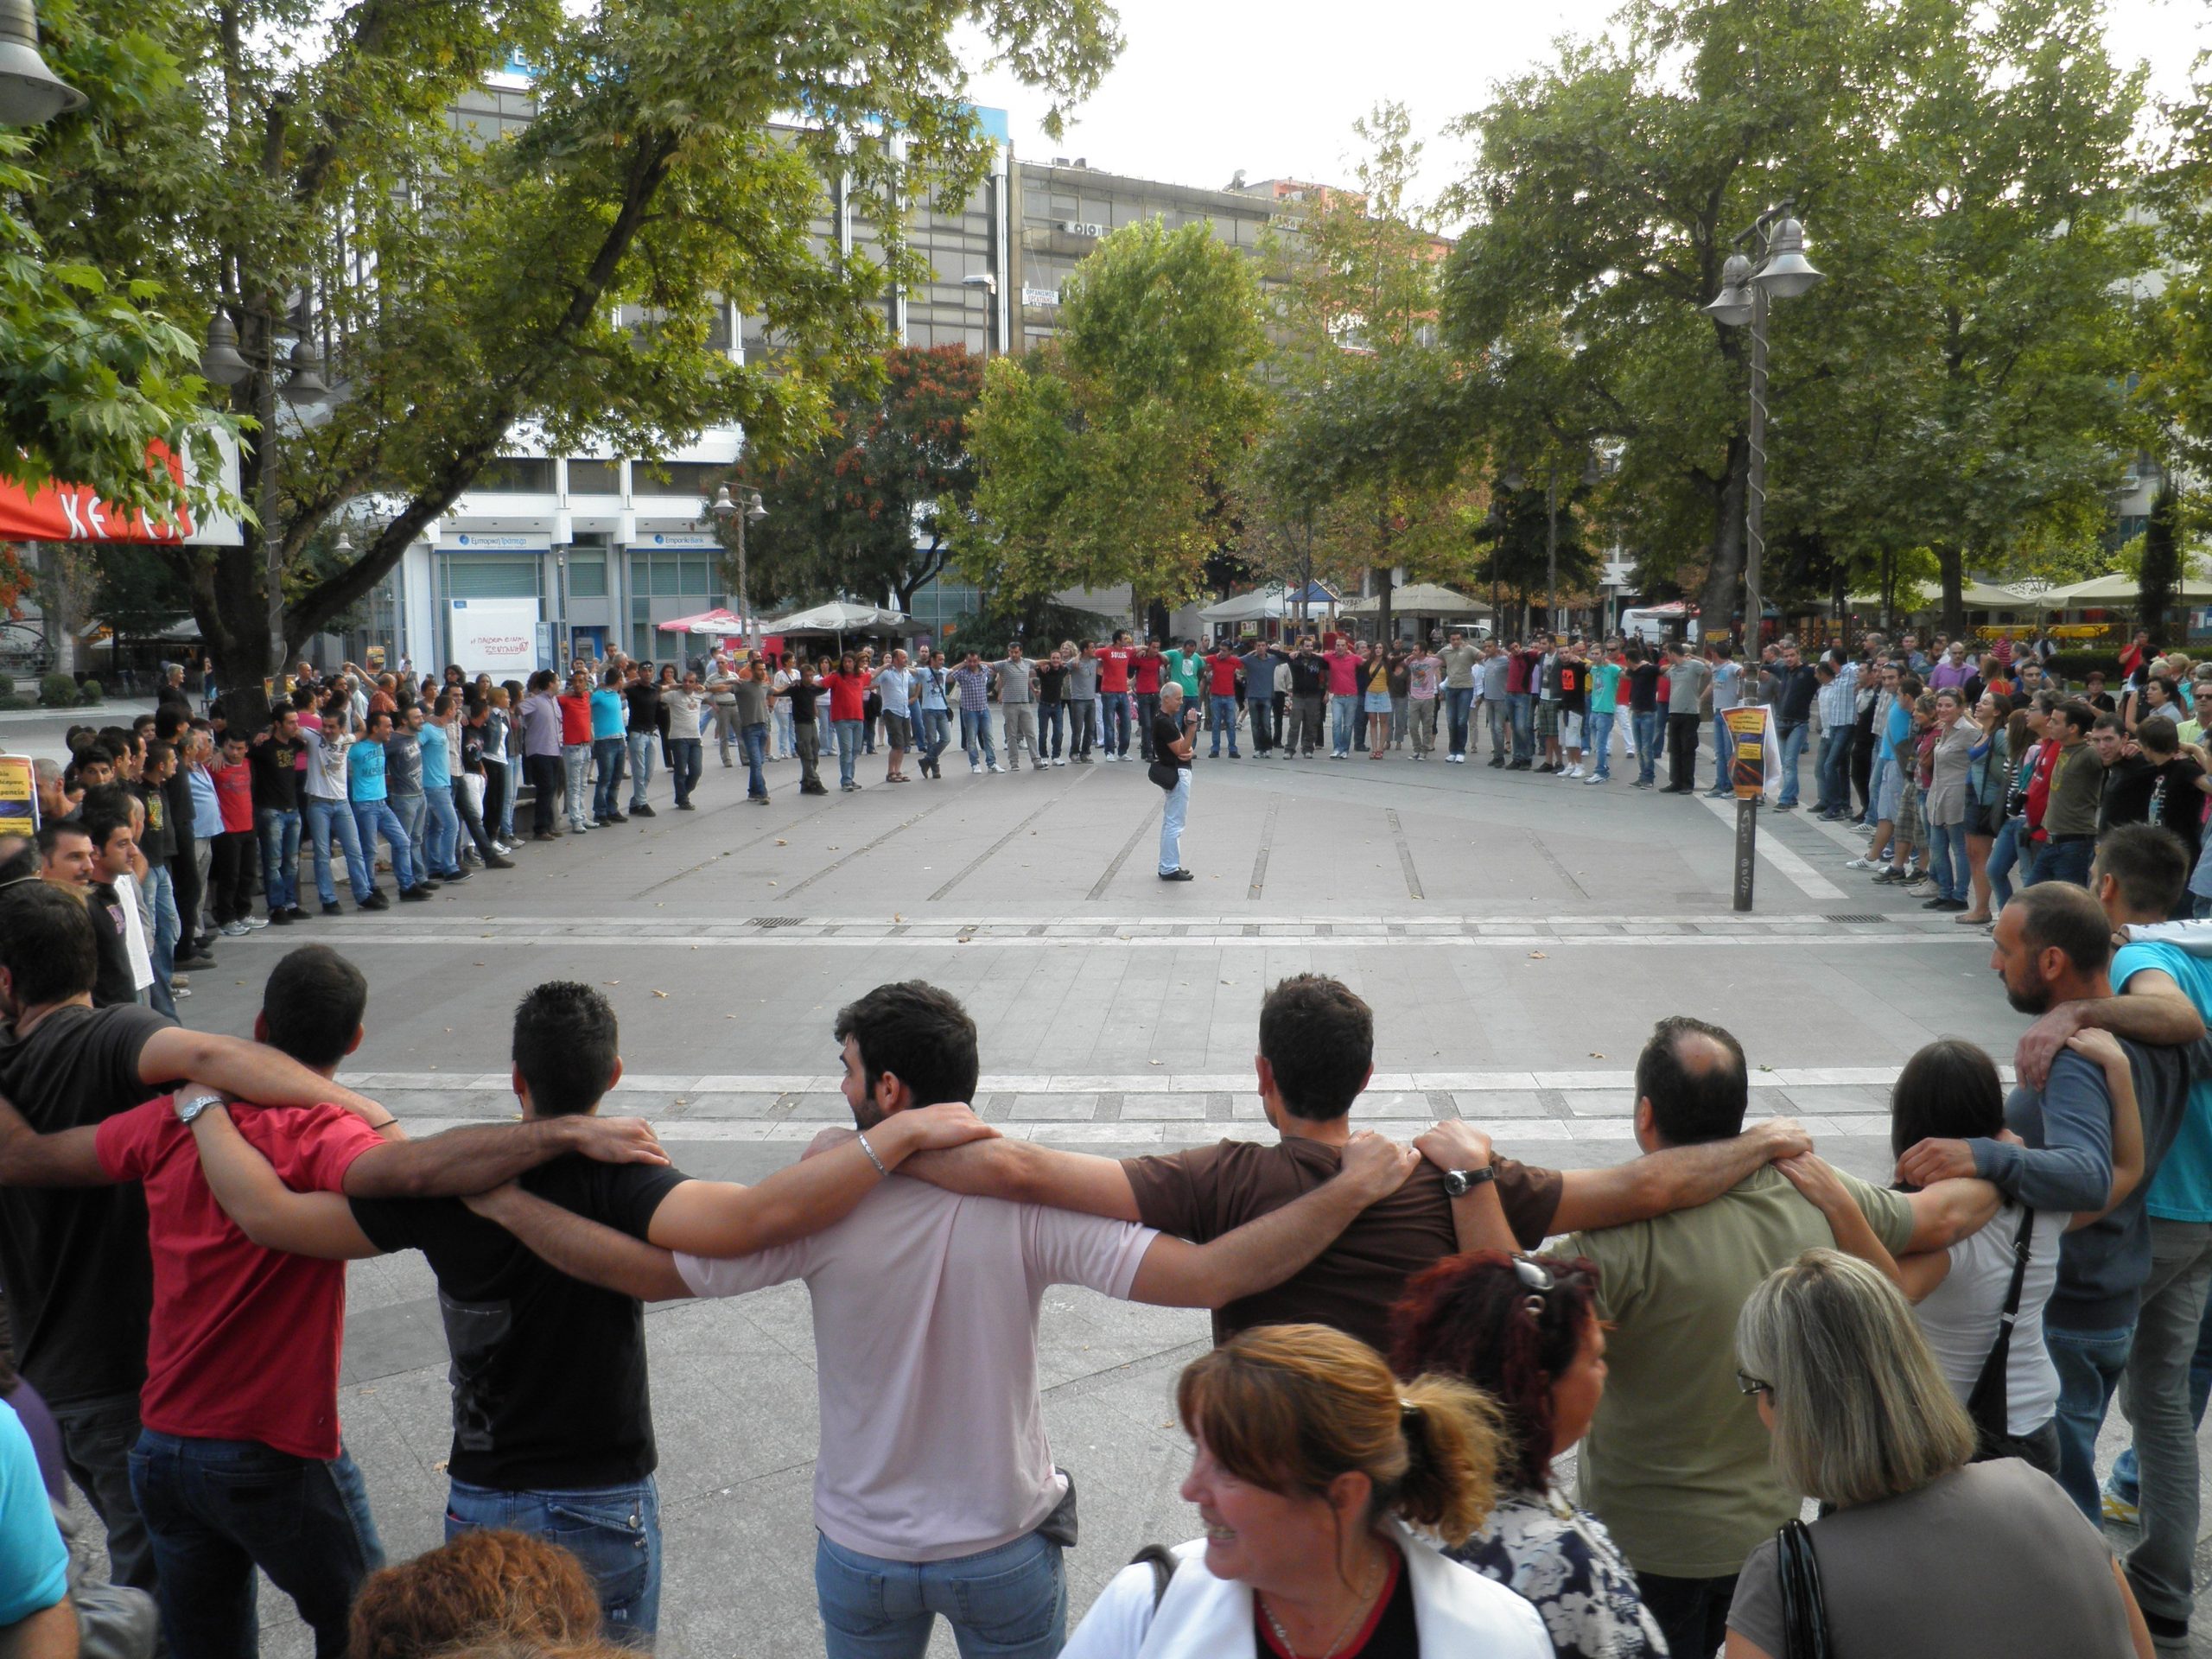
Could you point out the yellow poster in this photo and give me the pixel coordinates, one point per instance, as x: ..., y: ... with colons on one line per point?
x: 1747, y: 764
x: 18, y: 795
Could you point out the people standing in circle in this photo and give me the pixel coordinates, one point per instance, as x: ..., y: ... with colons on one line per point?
x: 1170, y: 770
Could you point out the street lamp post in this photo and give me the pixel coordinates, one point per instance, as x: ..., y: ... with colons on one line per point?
x: 988, y: 282
x: 738, y: 514
x: 1781, y: 272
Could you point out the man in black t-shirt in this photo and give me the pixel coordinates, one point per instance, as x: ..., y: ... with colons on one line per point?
x: 1170, y: 770
x: 805, y: 689
x: 274, y: 756
x: 644, y: 698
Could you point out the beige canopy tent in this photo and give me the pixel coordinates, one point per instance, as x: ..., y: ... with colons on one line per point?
x: 2121, y: 590
x: 1420, y: 598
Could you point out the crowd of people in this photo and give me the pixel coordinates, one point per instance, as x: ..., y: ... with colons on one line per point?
x: 1408, y: 1340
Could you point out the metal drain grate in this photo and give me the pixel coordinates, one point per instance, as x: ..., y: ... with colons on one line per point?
x: 1854, y: 918
x: 781, y: 921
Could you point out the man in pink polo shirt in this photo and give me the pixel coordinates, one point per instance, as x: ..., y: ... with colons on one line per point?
x: 935, y: 1491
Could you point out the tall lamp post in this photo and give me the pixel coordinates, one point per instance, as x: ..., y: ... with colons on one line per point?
x: 1748, y: 286
x: 738, y: 514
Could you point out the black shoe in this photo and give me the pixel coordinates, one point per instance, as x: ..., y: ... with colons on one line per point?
x: 427, y: 884
x: 685, y: 806
x: 544, y: 834
x: 457, y: 874
x: 1548, y: 766
x: 331, y: 909
x: 297, y: 914
x: 1498, y: 761
x: 642, y: 810
x: 1177, y: 876
x: 416, y: 895
x: 496, y: 862
x: 280, y: 919
x: 2171, y: 1632
x: 1779, y: 806
x: 1518, y: 766
x: 375, y: 900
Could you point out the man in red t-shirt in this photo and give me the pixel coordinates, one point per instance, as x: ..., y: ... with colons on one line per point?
x: 1224, y: 668
x: 1114, y: 664
x: 1145, y: 670
x: 1344, y: 724
x: 238, y: 1462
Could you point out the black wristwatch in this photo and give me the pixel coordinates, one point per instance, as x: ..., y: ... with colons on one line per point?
x: 1458, y: 1183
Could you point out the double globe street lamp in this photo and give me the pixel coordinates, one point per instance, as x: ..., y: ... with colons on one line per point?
x: 1748, y: 285
x: 738, y: 513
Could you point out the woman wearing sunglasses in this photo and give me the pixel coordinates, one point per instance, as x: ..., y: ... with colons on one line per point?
x: 1922, y: 1551
x: 1525, y: 1331
x: 1310, y: 1463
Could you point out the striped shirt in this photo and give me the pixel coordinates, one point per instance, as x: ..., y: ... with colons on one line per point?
x: 1839, y: 698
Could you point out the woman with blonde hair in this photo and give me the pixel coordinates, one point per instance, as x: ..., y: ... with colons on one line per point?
x: 1924, y: 1553
x: 1312, y: 1466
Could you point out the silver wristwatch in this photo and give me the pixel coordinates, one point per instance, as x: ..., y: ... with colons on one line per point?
x: 1458, y: 1183
x: 188, y: 1109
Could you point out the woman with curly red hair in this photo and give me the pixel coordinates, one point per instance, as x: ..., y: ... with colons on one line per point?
x: 1525, y: 1331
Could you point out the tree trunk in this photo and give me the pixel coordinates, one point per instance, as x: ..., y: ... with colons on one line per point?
x: 2162, y: 571
x: 1724, y: 570
x: 1951, y: 562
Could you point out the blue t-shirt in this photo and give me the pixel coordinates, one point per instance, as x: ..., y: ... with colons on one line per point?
x: 437, y: 759
x: 1605, y: 687
x: 1727, y: 685
x: 34, y: 1562
x: 2181, y: 1188
x: 606, y: 714
x: 364, y: 772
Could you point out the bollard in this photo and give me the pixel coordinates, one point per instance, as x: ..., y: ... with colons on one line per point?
x: 1747, y: 842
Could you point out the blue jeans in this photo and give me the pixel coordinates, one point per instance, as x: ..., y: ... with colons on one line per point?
x: 1171, y: 823
x: 1831, y: 772
x: 323, y: 817
x: 1882, y: 763
x: 160, y: 894
x: 755, y: 740
x: 1601, y: 742
x: 641, y: 764
x: 372, y: 817
x: 1948, y: 864
x: 1793, y: 749
x: 607, y: 754
x: 848, y: 747
x: 1010, y: 1603
x: 614, y: 1530
x: 1458, y: 701
x: 1499, y: 717
x: 2127, y: 1476
x: 1345, y: 723
x: 2065, y: 861
x: 1648, y: 724
x: 2090, y: 1365
x: 936, y: 734
x: 2004, y: 853
x: 413, y: 812
x: 215, y: 1509
x: 441, y: 852
x: 1114, y: 721
x: 1224, y: 720
x: 786, y: 732
x: 280, y: 857
x: 1051, y: 729
x: 975, y: 729
x: 1523, y: 709
x: 1723, y: 746
x: 686, y: 756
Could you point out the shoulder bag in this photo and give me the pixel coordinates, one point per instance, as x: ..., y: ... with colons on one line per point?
x: 1987, y: 1404
x: 1804, y: 1614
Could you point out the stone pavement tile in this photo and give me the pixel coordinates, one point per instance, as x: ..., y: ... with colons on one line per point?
x: 829, y: 1107
x: 1856, y: 1098
x: 1067, y: 1106
x: 1478, y: 1106
x: 725, y: 1106
x: 1600, y: 1102
x: 485, y: 1104
x: 1393, y: 1103
x: 1141, y: 1107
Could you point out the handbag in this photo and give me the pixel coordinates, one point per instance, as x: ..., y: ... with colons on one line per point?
x: 1986, y: 1405
x: 1165, y: 773
x: 1804, y: 1614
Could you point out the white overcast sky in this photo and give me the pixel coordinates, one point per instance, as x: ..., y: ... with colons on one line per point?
x: 1203, y: 88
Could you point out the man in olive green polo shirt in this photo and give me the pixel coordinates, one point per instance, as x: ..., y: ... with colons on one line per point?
x: 2077, y: 785
x: 1676, y: 1464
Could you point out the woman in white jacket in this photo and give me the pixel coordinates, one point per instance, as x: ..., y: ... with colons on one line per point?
x: 1313, y: 1467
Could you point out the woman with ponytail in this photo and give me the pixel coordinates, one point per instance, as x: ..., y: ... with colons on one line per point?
x: 1321, y: 1480
x: 1524, y: 1330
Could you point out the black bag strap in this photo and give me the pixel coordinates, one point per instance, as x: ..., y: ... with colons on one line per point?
x: 1804, y: 1614
x: 1986, y: 1405
x: 1161, y: 1560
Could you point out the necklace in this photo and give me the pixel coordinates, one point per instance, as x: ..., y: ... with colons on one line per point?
x: 1359, y: 1607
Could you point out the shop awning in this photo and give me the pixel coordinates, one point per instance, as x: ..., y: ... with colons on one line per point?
x: 70, y: 513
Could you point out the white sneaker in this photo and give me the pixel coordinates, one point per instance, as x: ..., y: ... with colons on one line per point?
x: 1862, y: 862
x: 995, y: 768
x: 235, y: 929
x: 1594, y: 778
x: 1572, y: 772
x: 975, y: 771
x: 256, y: 923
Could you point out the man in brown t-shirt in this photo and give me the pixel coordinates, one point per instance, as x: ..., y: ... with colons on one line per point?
x: 1317, y: 1044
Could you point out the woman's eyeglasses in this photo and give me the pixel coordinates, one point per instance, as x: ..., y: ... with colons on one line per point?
x: 1746, y: 1384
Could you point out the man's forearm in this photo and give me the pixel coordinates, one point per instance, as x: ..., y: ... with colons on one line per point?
x: 2161, y: 1020
x: 253, y: 1072
x: 587, y: 1249
x: 50, y: 1633
x: 472, y: 1159
x: 1658, y: 1183
x: 1263, y: 1253
x: 2072, y: 1177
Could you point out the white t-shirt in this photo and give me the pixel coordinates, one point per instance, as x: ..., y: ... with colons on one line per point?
x: 1959, y: 1317
x: 925, y: 1360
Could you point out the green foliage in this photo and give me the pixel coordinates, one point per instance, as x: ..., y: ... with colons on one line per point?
x: 1104, y: 459
x: 137, y: 589
x: 8, y: 690
x: 570, y: 277
x: 90, y: 693
x: 2161, y: 573
x: 2076, y: 665
x: 58, y: 690
x: 870, y: 508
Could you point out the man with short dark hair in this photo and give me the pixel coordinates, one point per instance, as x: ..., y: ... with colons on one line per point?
x: 76, y: 1266
x: 112, y: 904
x: 935, y: 1491
x: 275, y: 756
x: 2075, y: 783
x: 1675, y: 1464
x: 1688, y: 679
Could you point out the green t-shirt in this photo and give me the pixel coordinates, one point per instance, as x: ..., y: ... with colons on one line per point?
x: 1186, y: 666
x: 1677, y: 1463
x: 1605, y: 687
